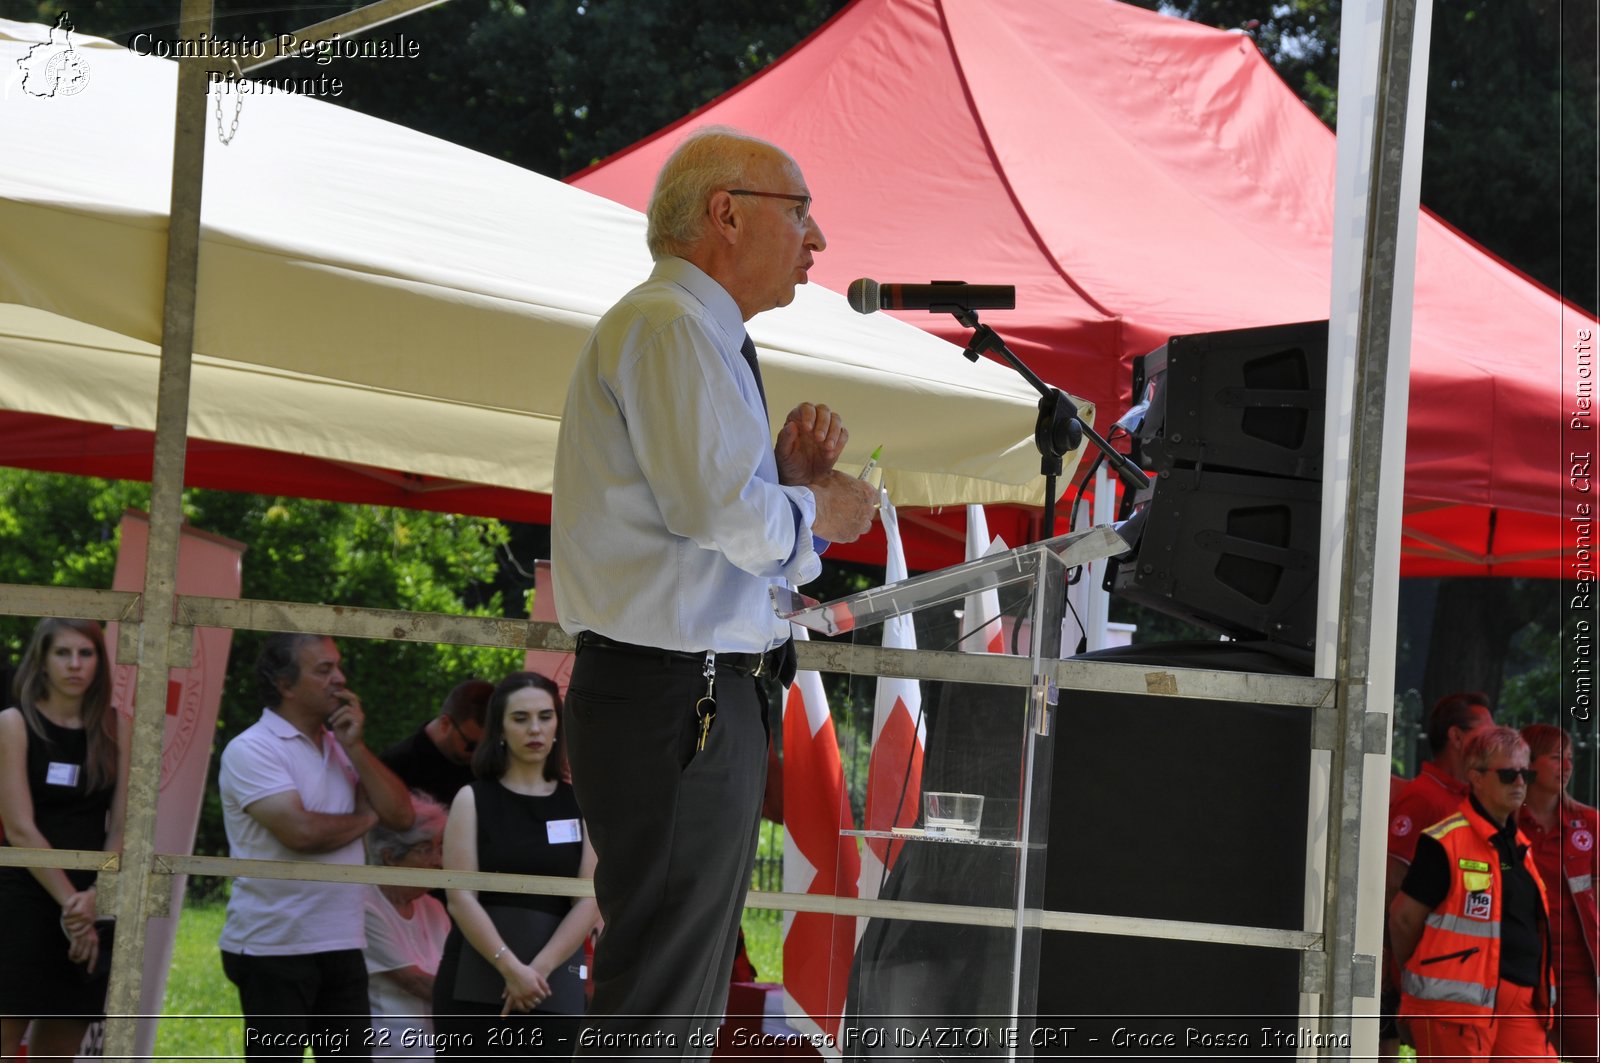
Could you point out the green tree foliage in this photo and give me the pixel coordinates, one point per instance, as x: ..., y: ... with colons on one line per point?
x: 1509, y: 151
x: 62, y: 531
x: 58, y: 531
x: 1475, y: 622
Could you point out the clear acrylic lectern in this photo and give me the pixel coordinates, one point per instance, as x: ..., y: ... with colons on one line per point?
x: 952, y: 942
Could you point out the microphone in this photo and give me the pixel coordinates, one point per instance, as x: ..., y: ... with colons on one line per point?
x: 867, y: 295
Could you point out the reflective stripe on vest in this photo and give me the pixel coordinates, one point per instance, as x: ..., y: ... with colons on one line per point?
x: 1464, y: 927
x: 1446, y: 990
x: 1460, y: 924
x: 1579, y: 883
x: 1445, y: 826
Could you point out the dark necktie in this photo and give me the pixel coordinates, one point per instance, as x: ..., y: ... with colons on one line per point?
x: 788, y: 658
x: 748, y: 349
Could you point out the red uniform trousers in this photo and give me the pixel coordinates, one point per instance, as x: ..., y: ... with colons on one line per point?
x: 1516, y: 1032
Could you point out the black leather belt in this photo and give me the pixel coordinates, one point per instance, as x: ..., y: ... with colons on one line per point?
x: 756, y: 664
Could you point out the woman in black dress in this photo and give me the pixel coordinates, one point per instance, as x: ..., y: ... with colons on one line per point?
x: 63, y: 785
x: 520, y: 817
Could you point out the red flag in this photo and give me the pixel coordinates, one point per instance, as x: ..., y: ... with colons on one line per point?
x: 817, y: 947
x: 894, y: 775
x: 982, y: 630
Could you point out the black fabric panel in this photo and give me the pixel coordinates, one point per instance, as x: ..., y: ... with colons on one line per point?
x: 1188, y: 809
x: 1160, y: 807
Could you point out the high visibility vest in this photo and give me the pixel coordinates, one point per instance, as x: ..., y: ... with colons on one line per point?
x: 1455, y: 968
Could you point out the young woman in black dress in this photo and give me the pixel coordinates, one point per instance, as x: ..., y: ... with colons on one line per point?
x: 520, y: 816
x: 63, y: 785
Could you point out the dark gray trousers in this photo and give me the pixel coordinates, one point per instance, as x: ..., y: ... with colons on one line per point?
x: 674, y: 828
x: 317, y: 999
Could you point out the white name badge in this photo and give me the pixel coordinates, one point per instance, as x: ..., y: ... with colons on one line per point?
x: 561, y: 831
x: 58, y: 774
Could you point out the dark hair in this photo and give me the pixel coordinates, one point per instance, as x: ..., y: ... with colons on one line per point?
x: 489, y: 761
x: 466, y: 701
x: 32, y: 683
x: 1543, y: 738
x: 1452, y: 710
x: 278, y: 665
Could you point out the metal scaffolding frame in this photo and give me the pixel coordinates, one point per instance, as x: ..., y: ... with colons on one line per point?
x: 138, y: 885
x: 157, y: 623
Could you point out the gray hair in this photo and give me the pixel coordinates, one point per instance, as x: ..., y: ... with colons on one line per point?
x: 708, y: 160
x: 1486, y: 743
x: 427, y: 825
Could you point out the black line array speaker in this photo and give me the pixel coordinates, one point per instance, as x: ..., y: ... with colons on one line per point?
x: 1246, y: 400
x: 1228, y: 534
x: 1234, y: 553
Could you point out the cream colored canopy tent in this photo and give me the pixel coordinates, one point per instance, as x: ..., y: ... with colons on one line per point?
x: 374, y: 296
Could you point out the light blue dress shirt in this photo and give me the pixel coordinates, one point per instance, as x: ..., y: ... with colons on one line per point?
x: 668, y: 523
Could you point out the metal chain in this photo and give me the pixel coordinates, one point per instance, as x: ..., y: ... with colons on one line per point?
x: 238, y: 106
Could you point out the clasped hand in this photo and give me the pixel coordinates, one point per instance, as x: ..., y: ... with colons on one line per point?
x: 77, y: 921
x: 808, y: 446
x: 809, y: 443
x: 525, y: 988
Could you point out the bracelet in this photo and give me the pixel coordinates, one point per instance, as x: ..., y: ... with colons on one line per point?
x: 497, y: 953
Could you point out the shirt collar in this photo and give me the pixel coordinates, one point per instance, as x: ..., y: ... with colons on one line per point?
x: 279, y: 727
x: 713, y: 296
x: 1438, y: 775
x: 1508, y: 829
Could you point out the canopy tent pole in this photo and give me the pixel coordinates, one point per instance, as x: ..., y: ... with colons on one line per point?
x: 134, y: 901
x: 1382, y: 97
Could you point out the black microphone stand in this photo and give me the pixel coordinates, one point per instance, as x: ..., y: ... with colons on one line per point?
x: 1060, y: 427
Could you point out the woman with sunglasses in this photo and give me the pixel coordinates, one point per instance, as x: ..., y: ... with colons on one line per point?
x: 515, y: 953
x: 1563, y: 833
x: 1470, y: 925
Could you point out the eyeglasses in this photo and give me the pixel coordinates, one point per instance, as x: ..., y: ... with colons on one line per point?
x: 801, y: 213
x: 468, y: 745
x: 1511, y: 775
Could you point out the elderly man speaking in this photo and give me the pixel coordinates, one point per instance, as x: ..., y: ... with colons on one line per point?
x: 673, y: 513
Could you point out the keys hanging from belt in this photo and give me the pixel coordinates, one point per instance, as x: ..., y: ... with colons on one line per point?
x: 706, y: 708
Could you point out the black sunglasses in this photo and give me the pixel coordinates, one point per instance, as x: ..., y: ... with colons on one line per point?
x: 1510, y: 775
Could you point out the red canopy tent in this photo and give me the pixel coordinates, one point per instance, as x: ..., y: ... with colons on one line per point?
x: 1137, y: 176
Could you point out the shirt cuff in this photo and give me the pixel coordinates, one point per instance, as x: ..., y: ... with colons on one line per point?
x: 803, y: 565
